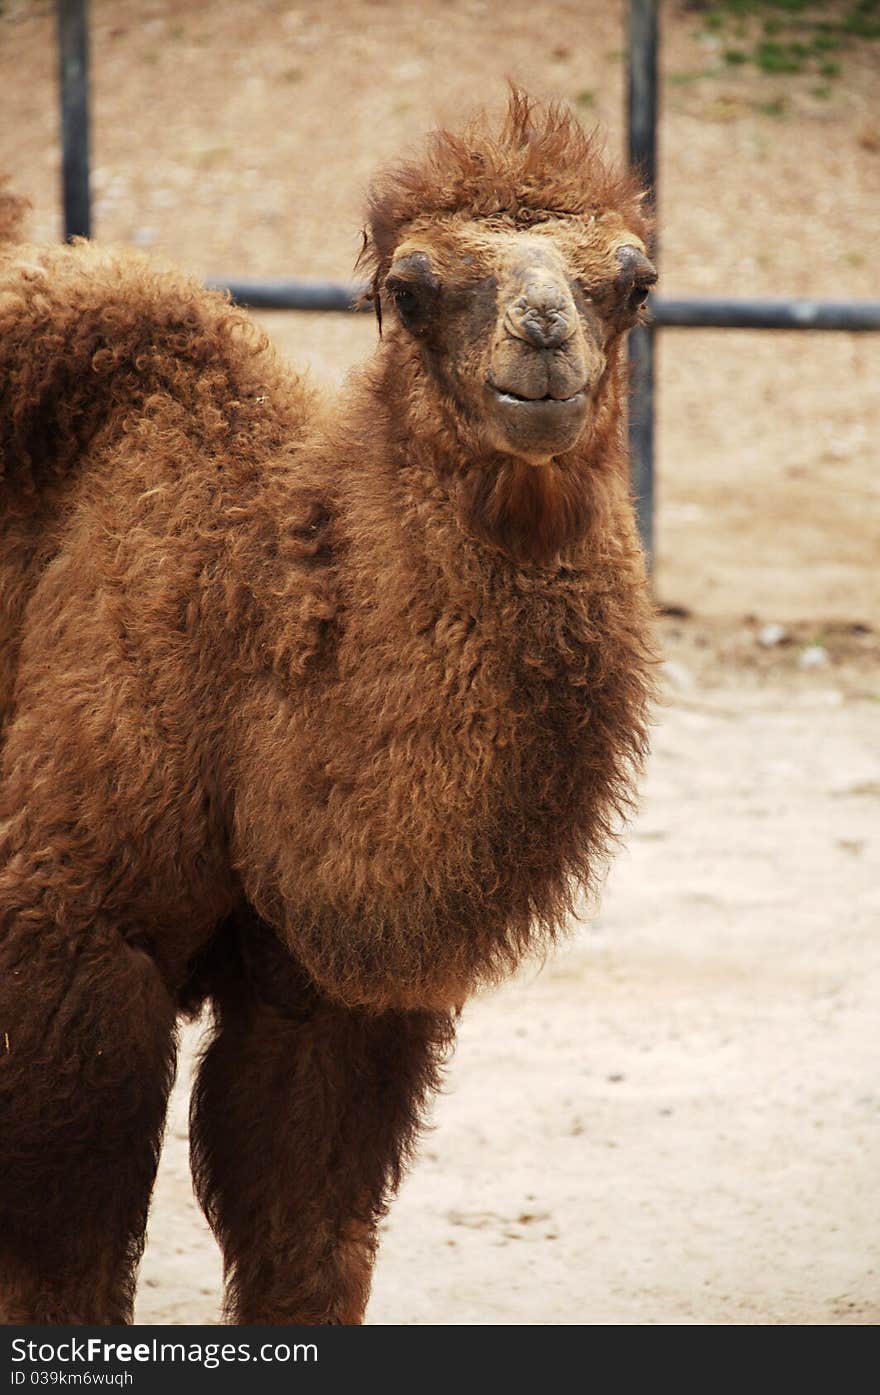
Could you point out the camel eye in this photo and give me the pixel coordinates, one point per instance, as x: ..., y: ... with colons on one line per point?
x: 409, y: 302
x: 637, y: 297
x: 412, y: 288
x: 405, y: 300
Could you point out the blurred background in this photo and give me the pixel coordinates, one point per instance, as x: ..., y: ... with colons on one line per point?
x: 239, y: 140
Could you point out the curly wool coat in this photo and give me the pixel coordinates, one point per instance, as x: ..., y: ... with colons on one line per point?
x: 262, y: 653
x: 261, y: 649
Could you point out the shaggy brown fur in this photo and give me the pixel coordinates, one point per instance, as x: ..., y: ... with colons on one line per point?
x: 372, y: 673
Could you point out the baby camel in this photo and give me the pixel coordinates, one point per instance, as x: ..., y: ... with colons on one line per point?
x: 319, y: 711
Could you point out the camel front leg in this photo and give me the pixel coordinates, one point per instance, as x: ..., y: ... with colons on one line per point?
x: 303, y: 1117
x: 87, y: 1051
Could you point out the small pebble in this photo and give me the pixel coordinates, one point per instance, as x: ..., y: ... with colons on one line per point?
x: 771, y: 635
x: 814, y: 656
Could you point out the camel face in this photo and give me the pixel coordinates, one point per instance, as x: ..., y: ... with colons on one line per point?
x: 514, y: 326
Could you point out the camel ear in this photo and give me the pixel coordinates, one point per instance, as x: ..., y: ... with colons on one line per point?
x: 635, y: 268
x: 635, y: 278
x: 375, y: 296
x: 366, y: 259
x: 369, y: 295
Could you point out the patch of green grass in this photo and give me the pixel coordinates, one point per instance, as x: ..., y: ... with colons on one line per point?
x: 586, y: 97
x: 777, y: 108
x: 781, y: 37
x: 777, y: 58
x: 684, y: 79
x: 863, y: 21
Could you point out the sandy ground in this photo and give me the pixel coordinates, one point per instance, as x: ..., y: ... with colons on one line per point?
x: 677, y: 1119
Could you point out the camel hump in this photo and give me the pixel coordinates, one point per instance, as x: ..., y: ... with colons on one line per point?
x: 91, y: 339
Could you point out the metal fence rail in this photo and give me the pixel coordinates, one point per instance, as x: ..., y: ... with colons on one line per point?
x: 283, y: 294
x: 855, y: 316
x: 293, y: 294
x: 641, y: 124
x: 73, y: 75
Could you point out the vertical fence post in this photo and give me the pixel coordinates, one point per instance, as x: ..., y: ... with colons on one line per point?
x: 73, y: 49
x: 642, y: 140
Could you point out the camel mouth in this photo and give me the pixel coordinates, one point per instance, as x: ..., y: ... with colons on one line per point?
x: 535, y: 428
x: 515, y: 399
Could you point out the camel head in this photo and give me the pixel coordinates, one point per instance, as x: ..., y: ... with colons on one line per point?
x: 513, y: 326
x: 507, y: 266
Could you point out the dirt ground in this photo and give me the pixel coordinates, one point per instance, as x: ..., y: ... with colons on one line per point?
x: 677, y: 1119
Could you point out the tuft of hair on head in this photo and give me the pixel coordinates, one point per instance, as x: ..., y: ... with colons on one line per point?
x: 538, y: 163
x: 12, y: 211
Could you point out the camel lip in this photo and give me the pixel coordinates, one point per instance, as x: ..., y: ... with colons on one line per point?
x: 513, y: 399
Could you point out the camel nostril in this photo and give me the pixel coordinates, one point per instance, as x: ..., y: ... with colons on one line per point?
x: 543, y: 328
x: 545, y: 331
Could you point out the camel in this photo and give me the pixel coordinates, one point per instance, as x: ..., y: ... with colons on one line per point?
x: 321, y: 711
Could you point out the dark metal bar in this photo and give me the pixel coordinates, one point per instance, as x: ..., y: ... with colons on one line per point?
x: 642, y: 150
x: 854, y: 315
x: 857, y: 316
x: 284, y: 294
x: 73, y: 47
x: 642, y: 90
x: 641, y: 434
